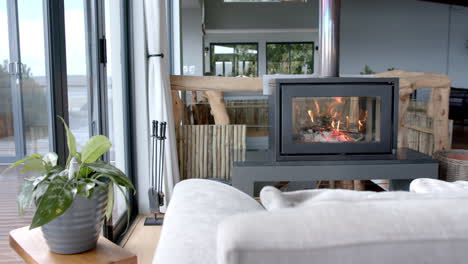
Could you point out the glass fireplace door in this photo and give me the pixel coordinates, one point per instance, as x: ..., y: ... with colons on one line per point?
x: 336, y: 119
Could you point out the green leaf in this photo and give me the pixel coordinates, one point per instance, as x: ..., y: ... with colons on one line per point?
x: 105, y: 169
x: 95, y: 148
x: 38, y: 179
x: 110, y: 200
x: 73, y: 168
x: 54, y: 202
x: 38, y: 192
x: 127, y: 202
x: 84, y: 171
x: 25, y: 196
x: 71, y: 142
x: 33, y: 165
x: 33, y: 156
x: 84, y: 188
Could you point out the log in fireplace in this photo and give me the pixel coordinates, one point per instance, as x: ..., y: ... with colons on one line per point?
x: 334, y: 118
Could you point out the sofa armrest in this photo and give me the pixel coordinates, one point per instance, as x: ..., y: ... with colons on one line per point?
x: 196, y: 209
x: 413, y: 231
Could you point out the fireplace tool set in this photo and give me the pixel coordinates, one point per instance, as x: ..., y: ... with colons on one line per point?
x: 155, y: 191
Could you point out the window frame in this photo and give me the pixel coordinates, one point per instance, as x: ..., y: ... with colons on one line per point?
x: 289, y: 50
x: 212, y: 44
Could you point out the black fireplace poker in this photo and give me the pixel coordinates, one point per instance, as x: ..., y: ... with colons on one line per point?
x: 155, y: 191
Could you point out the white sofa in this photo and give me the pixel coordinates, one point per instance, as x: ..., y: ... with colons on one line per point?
x: 209, y: 222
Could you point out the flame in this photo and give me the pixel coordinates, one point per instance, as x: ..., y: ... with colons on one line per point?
x: 360, y: 124
x: 311, y: 115
x: 317, y: 106
x: 327, y: 125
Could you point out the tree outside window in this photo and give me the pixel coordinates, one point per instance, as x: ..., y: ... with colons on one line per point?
x: 290, y: 58
x: 232, y: 60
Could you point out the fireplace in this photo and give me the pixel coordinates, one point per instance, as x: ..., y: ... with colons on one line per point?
x: 333, y: 118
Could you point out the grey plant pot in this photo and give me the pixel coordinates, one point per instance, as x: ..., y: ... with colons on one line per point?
x: 78, y: 229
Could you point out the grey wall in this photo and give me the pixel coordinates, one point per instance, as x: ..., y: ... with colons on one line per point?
x: 458, y: 53
x: 192, y: 41
x: 405, y: 34
x: 260, y: 15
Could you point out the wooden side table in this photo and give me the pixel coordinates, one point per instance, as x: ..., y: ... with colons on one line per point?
x: 31, y: 246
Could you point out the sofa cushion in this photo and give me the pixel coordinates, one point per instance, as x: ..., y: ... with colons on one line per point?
x: 274, y: 199
x: 437, y: 186
x: 429, y: 231
x: 196, y: 208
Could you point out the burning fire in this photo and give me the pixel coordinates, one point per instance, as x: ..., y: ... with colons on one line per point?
x: 311, y: 114
x: 330, y: 126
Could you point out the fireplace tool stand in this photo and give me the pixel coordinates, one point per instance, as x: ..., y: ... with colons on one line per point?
x: 155, y: 191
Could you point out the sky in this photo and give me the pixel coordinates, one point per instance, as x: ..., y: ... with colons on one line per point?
x: 31, y: 25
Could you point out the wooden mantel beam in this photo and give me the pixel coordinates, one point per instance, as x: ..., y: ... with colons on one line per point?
x: 215, y: 83
x: 215, y: 86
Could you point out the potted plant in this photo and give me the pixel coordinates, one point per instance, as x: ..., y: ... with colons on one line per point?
x: 71, y: 201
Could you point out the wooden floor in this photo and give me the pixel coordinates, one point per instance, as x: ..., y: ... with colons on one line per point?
x: 142, y: 240
x: 9, y: 219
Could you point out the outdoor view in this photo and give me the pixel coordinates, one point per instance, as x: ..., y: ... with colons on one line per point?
x: 232, y: 60
x: 290, y: 58
x: 77, y: 69
x: 33, y: 99
x: 24, y: 98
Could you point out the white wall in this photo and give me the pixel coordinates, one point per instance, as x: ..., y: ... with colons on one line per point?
x: 405, y: 34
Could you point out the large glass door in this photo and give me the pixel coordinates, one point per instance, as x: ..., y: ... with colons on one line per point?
x: 33, y: 75
x: 45, y: 43
x: 97, y: 90
x: 79, y: 68
x: 115, y: 91
x: 24, y: 118
x: 8, y: 146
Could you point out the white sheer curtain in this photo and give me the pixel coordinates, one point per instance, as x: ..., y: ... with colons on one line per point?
x: 159, y: 89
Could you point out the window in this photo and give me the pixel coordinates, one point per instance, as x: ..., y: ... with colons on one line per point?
x: 24, y: 122
x: 37, y: 40
x: 290, y: 58
x: 231, y: 60
x: 78, y: 56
